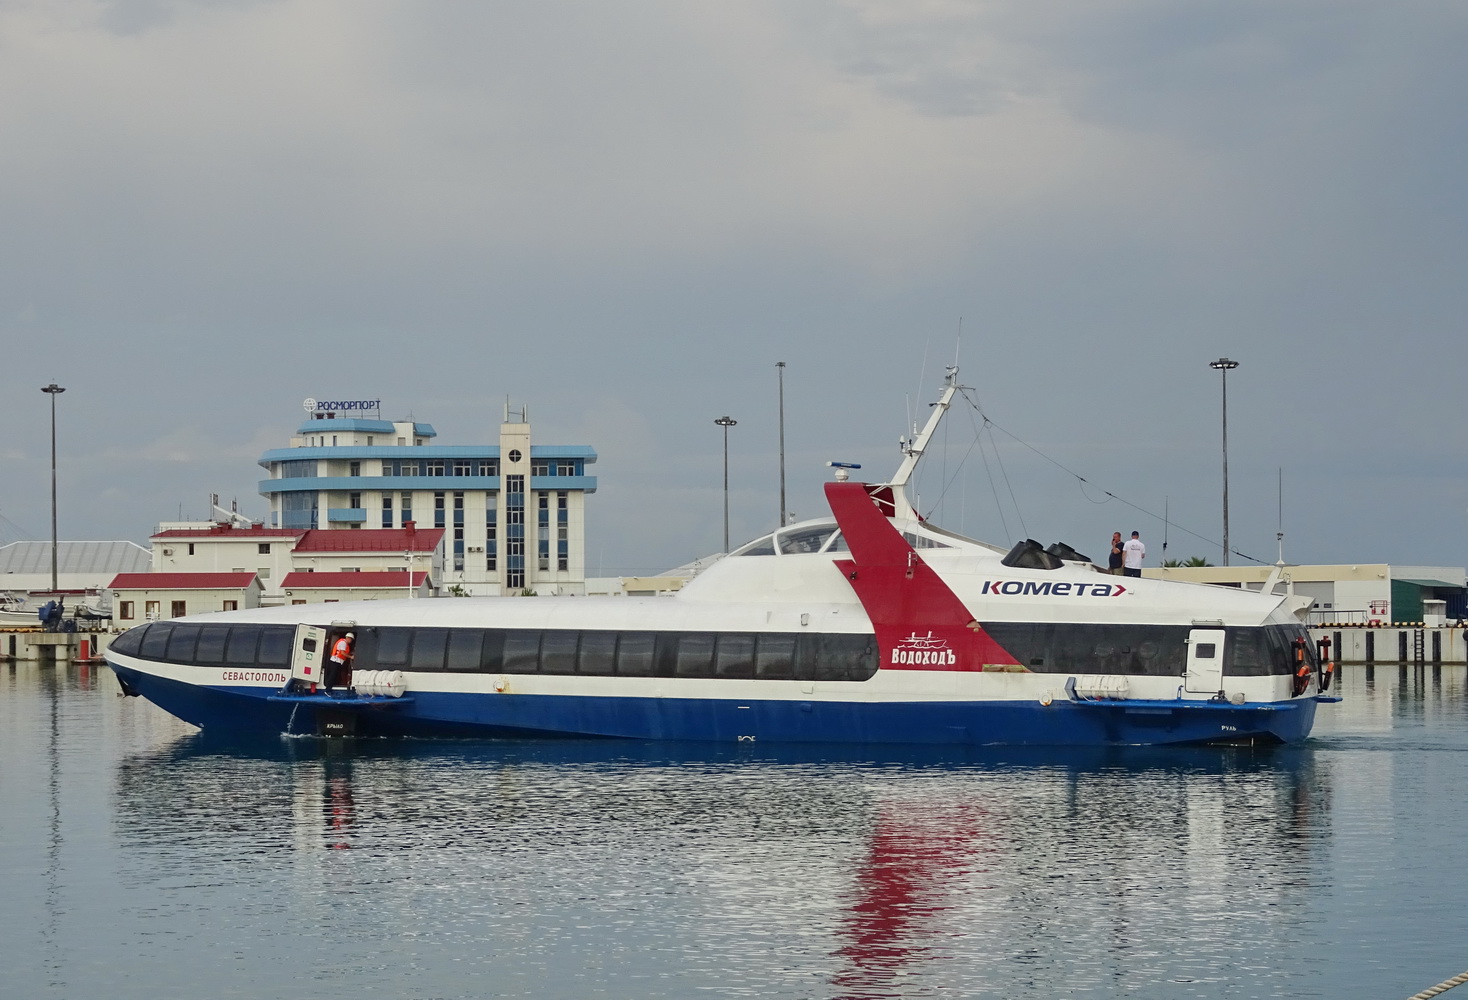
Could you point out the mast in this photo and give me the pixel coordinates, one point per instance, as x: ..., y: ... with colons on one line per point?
x: 913, y: 450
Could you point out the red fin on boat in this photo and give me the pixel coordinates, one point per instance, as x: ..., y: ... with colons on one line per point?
x: 920, y: 622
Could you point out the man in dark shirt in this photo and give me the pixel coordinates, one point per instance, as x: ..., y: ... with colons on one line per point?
x: 1114, y: 562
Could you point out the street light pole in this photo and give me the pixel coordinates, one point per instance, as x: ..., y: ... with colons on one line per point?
x: 726, y: 423
x: 53, y: 390
x: 1223, y: 366
x: 780, y: 367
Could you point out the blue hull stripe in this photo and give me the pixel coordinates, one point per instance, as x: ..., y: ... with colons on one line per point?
x: 717, y: 720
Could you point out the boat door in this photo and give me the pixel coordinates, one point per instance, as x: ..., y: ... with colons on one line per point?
x: 308, y: 656
x: 1205, y: 662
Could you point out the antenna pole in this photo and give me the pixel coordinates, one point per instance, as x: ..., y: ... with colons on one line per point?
x: 913, y: 450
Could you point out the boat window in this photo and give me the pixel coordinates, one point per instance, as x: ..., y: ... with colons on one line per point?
x: 1147, y: 650
x: 838, y: 544
x: 127, y: 644
x: 429, y: 647
x: 392, y: 647
x: 244, y: 640
x: 1262, y: 651
x: 635, y: 653
x: 735, y: 655
x: 522, y: 651
x: 466, y: 646
x: 493, y: 656
x: 211, y: 644
x: 558, y: 651
x: 843, y: 658
x: 155, y: 640
x: 275, y: 645
x: 695, y: 654
x: 775, y: 658
x: 803, y: 540
x: 364, y: 650
x: 1246, y: 653
x: 182, y: 642
x: 598, y: 654
x: 759, y: 547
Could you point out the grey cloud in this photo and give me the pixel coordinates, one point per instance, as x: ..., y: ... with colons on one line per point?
x: 623, y: 214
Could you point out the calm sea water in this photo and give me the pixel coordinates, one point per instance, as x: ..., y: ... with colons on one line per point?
x: 141, y: 859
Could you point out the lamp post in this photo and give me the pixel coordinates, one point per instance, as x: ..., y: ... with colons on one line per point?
x: 780, y: 367
x: 53, y: 390
x: 726, y: 423
x: 1223, y: 366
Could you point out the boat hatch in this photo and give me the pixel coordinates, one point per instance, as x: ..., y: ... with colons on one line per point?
x: 308, y: 655
x: 1204, y: 675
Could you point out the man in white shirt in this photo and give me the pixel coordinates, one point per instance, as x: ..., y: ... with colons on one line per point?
x: 1132, y: 554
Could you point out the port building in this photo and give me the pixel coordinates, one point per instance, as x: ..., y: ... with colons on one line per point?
x: 513, y: 513
x: 1353, y: 594
x: 356, y: 494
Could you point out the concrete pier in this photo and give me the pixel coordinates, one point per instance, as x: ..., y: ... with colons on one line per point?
x: 46, y: 648
x: 1401, y: 642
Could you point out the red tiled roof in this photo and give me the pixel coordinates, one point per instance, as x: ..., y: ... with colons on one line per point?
x: 181, y: 581
x: 370, y: 540
x: 373, y: 579
x: 228, y: 531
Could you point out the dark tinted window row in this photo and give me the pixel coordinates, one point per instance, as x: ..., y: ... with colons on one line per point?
x: 210, y: 645
x: 766, y: 655
x: 1149, y: 650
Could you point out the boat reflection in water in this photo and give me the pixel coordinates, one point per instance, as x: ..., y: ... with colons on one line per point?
x: 1110, y: 865
x: 672, y: 867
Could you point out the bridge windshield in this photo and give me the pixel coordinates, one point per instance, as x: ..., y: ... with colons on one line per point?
x: 798, y: 540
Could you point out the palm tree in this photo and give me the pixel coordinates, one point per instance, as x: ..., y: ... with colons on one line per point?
x: 1179, y: 563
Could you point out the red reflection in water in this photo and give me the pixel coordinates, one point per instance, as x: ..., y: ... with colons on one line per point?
x: 914, y: 858
x: 341, y: 812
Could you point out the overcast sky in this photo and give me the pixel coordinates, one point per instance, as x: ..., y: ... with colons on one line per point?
x: 622, y: 214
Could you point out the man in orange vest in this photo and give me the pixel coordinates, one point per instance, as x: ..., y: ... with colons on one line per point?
x: 339, y: 670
